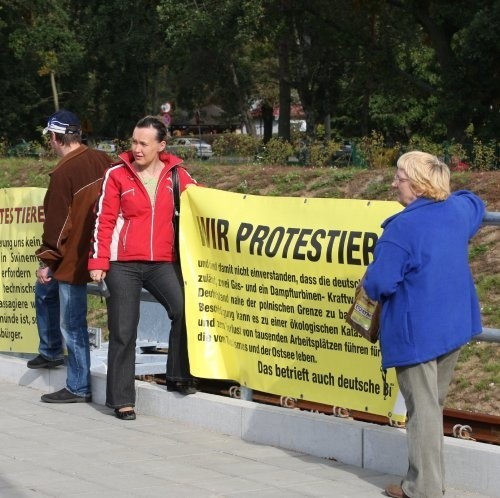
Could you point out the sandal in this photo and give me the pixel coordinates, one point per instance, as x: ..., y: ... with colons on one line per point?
x: 125, y: 414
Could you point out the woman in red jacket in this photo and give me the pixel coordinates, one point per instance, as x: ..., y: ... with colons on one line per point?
x: 134, y: 247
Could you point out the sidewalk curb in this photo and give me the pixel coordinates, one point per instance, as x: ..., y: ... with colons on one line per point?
x: 470, y: 465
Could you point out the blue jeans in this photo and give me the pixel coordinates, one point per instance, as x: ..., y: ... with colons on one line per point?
x: 73, y: 303
x: 125, y: 281
x: 47, y: 319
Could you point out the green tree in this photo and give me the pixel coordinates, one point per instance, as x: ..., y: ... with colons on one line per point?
x: 465, y: 37
x: 387, y: 83
x: 318, y: 54
x: 39, y: 52
x: 127, y: 65
x: 402, y: 68
x: 47, y: 37
x: 214, y: 45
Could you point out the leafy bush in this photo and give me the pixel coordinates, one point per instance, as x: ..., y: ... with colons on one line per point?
x: 121, y: 146
x: 186, y: 153
x: 3, y: 147
x: 233, y: 144
x: 376, y: 155
x: 25, y: 148
x: 424, y: 144
x: 318, y: 151
x: 322, y: 153
x: 484, y: 155
x: 370, y: 151
x: 277, y: 151
x: 455, y: 149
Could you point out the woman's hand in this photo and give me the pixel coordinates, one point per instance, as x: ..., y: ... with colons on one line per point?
x: 97, y: 275
x: 44, y: 275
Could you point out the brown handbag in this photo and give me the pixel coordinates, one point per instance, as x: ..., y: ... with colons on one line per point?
x: 364, y: 315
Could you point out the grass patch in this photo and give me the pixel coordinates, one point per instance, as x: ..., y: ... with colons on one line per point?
x: 97, y: 314
x: 487, y: 358
x: 462, y: 382
x: 459, y: 180
x: 26, y: 172
x: 242, y: 188
x: 287, y: 182
x: 488, y: 290
x: 343, y: 175
x: 477, y: 250
x: 376, y: 190
x: 488, y: 283
x: 476, y: 383
x: 482, y: 385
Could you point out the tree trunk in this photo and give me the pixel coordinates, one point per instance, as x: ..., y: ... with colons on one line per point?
x: 54, y: 90
x: 267, y: 118
x: 242, y: 104
x: 248, y: 122
x: 285, y: 91
x: 328, y: 126
x: 452, y: 77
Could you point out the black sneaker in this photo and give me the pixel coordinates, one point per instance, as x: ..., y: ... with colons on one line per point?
x: 64, y: 396
x: 41, y: 362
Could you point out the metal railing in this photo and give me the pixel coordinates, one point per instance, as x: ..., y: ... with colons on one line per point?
x: 487, y: 335
x: 491, y: 218
x: 490, y: 335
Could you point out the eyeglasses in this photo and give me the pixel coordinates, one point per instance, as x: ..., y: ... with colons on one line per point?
x: 398, y: 179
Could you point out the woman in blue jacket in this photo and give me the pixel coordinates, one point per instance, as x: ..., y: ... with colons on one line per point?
x: 421, y: 276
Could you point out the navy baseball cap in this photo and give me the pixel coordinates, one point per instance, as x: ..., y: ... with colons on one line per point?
x: 64, y: 122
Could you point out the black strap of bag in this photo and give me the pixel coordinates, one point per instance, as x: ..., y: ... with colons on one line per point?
x: 177, y: 208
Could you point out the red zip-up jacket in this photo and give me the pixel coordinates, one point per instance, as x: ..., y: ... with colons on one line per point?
x: 128, y: 226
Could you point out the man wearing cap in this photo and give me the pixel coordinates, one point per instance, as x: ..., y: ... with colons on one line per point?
x: 69, y: 217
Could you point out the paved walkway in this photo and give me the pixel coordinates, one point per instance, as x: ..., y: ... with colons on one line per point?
x: 82, y: 450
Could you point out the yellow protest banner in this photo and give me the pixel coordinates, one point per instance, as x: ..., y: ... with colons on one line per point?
x: 21, y: 218
x: 268, y: 282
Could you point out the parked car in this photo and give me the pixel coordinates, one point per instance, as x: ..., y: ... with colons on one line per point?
x: 106, y: 145
x: 187, y: 146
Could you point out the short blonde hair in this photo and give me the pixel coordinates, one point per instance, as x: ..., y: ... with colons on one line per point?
x: 428, y: 176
